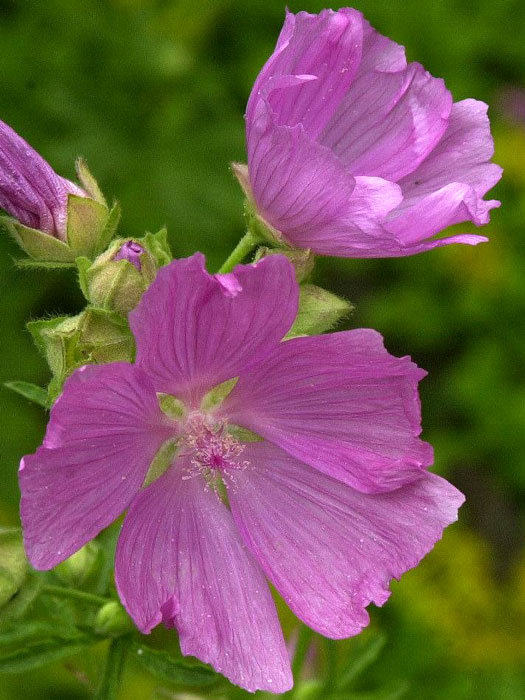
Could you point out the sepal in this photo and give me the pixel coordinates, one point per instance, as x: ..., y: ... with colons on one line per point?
x: 319, y: 311
x: 303, y: 260
x: 93, y: 336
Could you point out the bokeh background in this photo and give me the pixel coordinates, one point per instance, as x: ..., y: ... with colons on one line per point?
x: 152, y: 93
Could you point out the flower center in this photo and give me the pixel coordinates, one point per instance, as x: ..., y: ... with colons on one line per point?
x: 211, y: 448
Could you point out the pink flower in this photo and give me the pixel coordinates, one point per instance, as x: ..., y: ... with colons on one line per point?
x: 353, y: 152
x: 30, y: 190
x: 331, y: 503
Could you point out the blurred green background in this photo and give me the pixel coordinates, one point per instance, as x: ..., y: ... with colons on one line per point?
x: 152, y: 93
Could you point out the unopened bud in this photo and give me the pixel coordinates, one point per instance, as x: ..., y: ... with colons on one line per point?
x: 13, y: 563
x: 80, y: 566
x: 117, y: 279
x: 112, y: 620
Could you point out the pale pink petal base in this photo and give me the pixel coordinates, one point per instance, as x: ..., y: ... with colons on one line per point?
x: 328, y: 549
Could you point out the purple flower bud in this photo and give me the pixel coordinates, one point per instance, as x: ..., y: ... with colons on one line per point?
x: 30, y: 190
x: 130, y: 251
x: 354, y: 152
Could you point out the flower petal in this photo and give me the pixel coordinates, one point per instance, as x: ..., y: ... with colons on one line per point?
x: 448, y: 187
x: 326, y: 47
x: 387, y: 123
x: 340, y: 403
x: 30, y: 189
x: 103, y: 433
x: 195, y: 330
x: 180, y: 558
x: 304, y: 191
x: 327, y: 548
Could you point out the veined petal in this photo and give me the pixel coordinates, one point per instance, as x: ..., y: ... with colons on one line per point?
x: 180, y: 559
x: 340, y: 403
x: 387, y: 123
x: 195, y: 330
x: 103, y: 433
x: 448, y: 187
x: 303, y: 190
x: 325, y: 46
x: 328, y: 549
x: 30, y: 189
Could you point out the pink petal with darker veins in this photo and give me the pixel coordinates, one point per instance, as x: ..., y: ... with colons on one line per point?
x: 103, y: 433
x: 179, y: 552
x: 342, y: 404
x: 328, y: 549
x: 195, y: 330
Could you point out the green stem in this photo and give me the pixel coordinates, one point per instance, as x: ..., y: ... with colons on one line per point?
x: 109, y: 685
x: 74, y: 594
x: 241, y: 250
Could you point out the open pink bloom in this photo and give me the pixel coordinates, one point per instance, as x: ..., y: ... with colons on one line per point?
x: 30, y: 190
x: 353, y: 152
x: 331, y: 503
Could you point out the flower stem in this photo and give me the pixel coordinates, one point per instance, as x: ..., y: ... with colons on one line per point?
x: 72, y: 593
x: 241, y: 250
x: 109, y: 685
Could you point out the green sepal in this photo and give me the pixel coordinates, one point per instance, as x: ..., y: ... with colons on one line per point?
x: 157, y: 244
x: 86, y: 220
x: 88, y: 182
x: 13, y: 563
x: 303, y: 260
x: 29, y: 391
x: 165, y: 667
x: 319, y: 311
x: 28, y: 264
x: 40, y: 246
x: 110, y: 228
x: 93, y: 336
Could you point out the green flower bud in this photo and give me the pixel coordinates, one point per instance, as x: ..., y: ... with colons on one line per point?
x: 112, y: 620
x: 117, y: 279
x: 13, y: 563
x: 80, y: 566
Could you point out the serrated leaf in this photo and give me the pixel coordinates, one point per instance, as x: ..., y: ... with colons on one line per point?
x: 44, y: 652
x: 29, y: 391
x: 165, y: 667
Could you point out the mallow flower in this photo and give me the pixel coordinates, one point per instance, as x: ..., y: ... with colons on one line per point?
x: 240, y: 457
x: 354, y: 152
x: 30, y: 190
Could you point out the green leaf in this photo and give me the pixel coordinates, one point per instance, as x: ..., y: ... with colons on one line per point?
x: 18, y: 605
x: 29, y: 391
x: 44, y: 652
x: 165, y: 667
